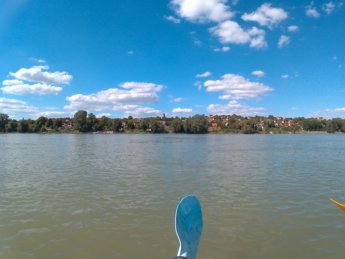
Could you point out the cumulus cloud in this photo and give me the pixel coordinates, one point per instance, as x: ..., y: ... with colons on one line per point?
x: 202, y: 10
x: 266, y: 15
x: 182, y: 110
x: 330, y: 113
x: 24, y: 89
x: 283, y: 41
x: 329, y: 7
x: 285, y: 76
x: 311, y: 11
x: 142, y: 112
x: 37, y: 74
x: 258, y: 73
x: 222, y: 49
x: 128, y: 93
x: 35, y: 80
x: 205, y: 74
x: 172, y: 19
x: 14, y: 106
x: 106, y: 114
x: 236, y: 87
x: 232, y: 32
x: 53, y: 114
x: 234, y: 107
x: 293, y: 28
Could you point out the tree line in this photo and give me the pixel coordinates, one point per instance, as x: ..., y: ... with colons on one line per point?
x: 84, y: 122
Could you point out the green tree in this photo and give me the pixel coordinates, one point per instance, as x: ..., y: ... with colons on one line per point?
x: 23, y: 126
x: 3, y: 122
x: 91, y: 122
x: 79, y: 121
x: 12, y: 126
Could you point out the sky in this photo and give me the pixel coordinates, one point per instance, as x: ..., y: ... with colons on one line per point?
x: 173, y: 57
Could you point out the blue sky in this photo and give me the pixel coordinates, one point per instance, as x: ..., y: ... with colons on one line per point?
x: 178, y: 57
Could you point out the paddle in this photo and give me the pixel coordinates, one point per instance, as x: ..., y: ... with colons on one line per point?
x: 188, y: 226
x: 340, y: 205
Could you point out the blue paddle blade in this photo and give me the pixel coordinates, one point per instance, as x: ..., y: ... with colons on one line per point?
x: 188, y: 226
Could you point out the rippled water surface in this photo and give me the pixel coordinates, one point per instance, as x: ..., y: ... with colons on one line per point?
x: 114, y: 196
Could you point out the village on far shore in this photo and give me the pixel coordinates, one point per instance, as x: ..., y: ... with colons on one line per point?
x: 83, y: 122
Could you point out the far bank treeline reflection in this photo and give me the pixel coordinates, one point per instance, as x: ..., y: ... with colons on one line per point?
x: 198, y: 124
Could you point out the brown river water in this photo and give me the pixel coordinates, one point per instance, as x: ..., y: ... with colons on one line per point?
x: 114, y: 196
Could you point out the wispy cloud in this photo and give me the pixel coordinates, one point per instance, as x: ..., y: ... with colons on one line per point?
x: 205, y: 74
x: 172, y: 19
x: 14, y: 106
x: 222, y: 49
x: 283, y: 41
x: 175, y: 99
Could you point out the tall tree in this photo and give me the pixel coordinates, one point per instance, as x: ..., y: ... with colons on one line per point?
x: 3, y: 122
x: 79, y: 121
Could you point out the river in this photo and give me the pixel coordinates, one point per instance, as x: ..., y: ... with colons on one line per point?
x: 114, y: 196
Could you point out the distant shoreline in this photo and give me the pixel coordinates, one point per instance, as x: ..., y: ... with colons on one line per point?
x: 83, y: 122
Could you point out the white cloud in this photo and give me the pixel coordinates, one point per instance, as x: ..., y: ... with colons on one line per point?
x: 130, y: 92
x: 106, y: 114
x: 182, y: 110
x: 24, y: 89
x: 202, y: 10
x: 36, y: 74
x: 293, y: 28
x: 14, y: 106
x: 236, y: 87
x: 12, y: 82
x: 142, y: 112
x: 172, y: 19
x: 285, y: 76
x: 311, y: 11
x: 198, y: 84
x: 329, y: 7
x: 35, y: 80
x: 266, y: 15
x: 222, y: 49
x: 177, y: 100
x: 53, y: 114
x: 330, y: 113
x: 38, y: 60
x: 232, y: 32
x: 283, y: 41
x: 205, y: 74
x: 234, y: 107
x: 258, y: 73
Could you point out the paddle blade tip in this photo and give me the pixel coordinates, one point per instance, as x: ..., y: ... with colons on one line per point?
x: 338, y: 204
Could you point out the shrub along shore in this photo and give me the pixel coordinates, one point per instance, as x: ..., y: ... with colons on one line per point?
x: 82, y: 122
